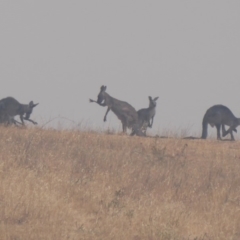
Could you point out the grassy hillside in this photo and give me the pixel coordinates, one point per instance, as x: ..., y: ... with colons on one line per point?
x: 83, y: 185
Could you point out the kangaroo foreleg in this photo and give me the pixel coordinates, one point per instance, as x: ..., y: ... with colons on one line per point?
x: 232, y: 128
x: 101, y: 104
x: 30, y: 120
x: 224, y: 130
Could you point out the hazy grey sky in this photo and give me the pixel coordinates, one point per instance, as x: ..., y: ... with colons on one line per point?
x: 59, y: 53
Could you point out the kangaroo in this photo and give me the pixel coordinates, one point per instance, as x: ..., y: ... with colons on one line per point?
x: 146, y: 115
x: 123, y: 110
x: 11, y: 107
x: 219, y: 115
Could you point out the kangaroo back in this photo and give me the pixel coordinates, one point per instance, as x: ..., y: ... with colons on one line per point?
x: 11, y: 106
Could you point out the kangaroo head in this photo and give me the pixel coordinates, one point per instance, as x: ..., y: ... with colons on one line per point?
x: 152, y: 102
x: 31, y: 105
x: 101, y: 95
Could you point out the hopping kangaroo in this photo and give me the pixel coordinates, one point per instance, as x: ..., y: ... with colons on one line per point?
x: 123, y: 110
x: 146, y: 115
x: 219, y: 115
x: 10, y: 108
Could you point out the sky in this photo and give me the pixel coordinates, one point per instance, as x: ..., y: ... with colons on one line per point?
x: 59, y: 53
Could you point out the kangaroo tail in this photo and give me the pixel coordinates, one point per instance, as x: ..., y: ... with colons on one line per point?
x: 204, y: 128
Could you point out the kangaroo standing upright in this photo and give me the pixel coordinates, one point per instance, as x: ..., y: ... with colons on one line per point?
x: 146, y: 115
x: 11, y: 107
x: 218, y: 115
x: 123, y: 110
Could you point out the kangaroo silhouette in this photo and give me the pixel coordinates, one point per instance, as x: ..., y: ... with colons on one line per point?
x: 146, y: 115
x: 123, y: 110
x: 219, y: 115
x: 10, y: 108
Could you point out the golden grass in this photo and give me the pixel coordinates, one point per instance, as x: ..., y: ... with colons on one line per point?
x: 83, y: 185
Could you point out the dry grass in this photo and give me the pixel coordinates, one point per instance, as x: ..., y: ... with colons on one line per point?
x: 83, y: 185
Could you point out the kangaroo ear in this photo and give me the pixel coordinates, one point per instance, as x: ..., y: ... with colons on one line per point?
x: 105, y: 88
x: 150, y: 98
x: 34, y: 105
x: 156, y: 98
